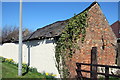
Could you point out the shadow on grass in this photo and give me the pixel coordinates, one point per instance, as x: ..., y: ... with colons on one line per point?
x: 27, y: 70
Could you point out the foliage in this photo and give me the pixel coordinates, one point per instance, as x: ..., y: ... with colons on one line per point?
x: 33, y: 69
x: 111, y: 78
x: 24, y: 65
x: 74, y: 32
x: 49, y: 75
x: 11, y: 33
x: 2, y: 59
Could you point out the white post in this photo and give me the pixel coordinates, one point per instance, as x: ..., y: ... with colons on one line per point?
x: 20, y: 43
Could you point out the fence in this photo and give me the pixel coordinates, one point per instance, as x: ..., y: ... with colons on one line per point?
x: 93, y: 72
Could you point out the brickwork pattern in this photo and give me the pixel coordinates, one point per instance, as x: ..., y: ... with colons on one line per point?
x: 98, y: 34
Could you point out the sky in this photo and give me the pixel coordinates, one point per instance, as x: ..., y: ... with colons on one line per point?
x: 40, y: 14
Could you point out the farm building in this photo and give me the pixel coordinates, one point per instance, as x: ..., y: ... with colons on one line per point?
x: 116, y: 29
x: 57, y: 47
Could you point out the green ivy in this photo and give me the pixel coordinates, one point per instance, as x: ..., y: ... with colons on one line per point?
x: 67, y: 43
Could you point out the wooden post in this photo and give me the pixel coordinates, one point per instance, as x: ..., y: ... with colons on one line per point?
x: 93, y: 75
x: 106, y: 73
x: 79, y: 73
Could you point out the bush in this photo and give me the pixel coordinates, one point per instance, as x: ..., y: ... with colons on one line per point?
x: 2, y: 59
x: 9, y: 61
x: 24, y: 65
x: 49, y: 75
x: 33, y: 69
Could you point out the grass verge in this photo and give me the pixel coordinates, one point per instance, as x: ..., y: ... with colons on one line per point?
x: 11, y: 71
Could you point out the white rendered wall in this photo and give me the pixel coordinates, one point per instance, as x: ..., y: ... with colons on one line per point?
x: 38, y: 53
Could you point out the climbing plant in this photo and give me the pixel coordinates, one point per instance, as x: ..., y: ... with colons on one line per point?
x: 67, y: 43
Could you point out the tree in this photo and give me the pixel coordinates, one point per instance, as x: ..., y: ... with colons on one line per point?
x: 11, y: 33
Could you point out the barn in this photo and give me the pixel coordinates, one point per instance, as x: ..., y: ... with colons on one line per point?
x: 43, y: 50
x: 116, y: 29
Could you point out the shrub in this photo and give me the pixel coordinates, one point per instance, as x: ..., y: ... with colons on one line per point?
x: 49, y: 75
x: 24, y: 65
x: 33, y: 69
x: 2, y: 59
x: 9, y: 60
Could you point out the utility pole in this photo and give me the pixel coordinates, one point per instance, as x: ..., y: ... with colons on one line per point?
x: 20, y: 43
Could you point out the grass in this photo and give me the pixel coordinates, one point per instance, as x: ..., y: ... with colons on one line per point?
x: 0, y: 69
x: 111, y: 78
x: 11, y: 71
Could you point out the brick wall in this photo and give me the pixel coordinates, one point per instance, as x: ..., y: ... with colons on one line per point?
x: 98, y: 34
x: 118, y: 55
x: 116, y: 27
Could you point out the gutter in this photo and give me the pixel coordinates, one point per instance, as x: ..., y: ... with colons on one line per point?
x: 118, y: 38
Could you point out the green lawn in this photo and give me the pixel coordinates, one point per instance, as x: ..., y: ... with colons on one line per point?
x: 0, y: 69
x: 110, y: 79
x: 11, y: 71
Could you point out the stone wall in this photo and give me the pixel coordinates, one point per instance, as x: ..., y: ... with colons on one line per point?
x: 98, y: 34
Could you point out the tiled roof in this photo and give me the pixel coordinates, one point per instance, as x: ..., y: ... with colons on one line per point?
x: 116, y: 28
